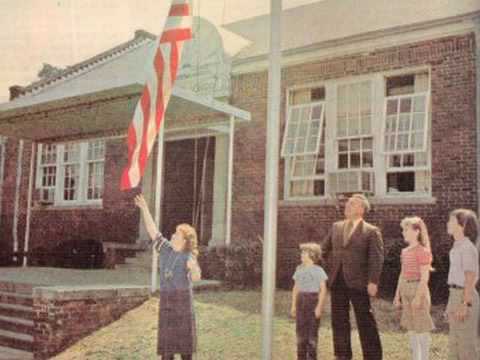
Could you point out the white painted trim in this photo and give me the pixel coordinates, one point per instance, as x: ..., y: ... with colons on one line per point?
x: 413, y: 199
x: 16, y: 205
x: 364, y: 43
x: 231, y: 147
x: 210, y: 102
x: 29, y: 204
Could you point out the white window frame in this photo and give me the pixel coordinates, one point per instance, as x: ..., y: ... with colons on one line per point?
x: 60, y: 175
x: 291, y: 159
x: 380, y: 166
x: 427, y: 149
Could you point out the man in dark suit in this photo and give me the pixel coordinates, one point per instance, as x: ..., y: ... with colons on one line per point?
x: 353, y: 251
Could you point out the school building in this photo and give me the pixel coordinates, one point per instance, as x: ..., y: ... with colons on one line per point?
x: 378, y: 97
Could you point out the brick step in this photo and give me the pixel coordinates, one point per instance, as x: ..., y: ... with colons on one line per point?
x: 16, y: 325
x: 17, y: 311
x: 16, y: 340
x: 16, y: 298
x: 10, y: 286
x: 7, y: 353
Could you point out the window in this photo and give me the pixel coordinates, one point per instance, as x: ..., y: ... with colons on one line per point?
x: 354, y: 126
x: 304, y: 144
x: 47, y: 171
x: 406, y: 134
x: 368, y: 134
x: 71, y: 173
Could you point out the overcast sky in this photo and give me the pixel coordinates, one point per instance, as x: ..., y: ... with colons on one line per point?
x: 64, y: 32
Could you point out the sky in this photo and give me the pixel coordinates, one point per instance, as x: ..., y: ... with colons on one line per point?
x: 65, y: 32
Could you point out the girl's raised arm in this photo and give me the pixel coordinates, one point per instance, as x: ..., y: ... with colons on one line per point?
x: 147, y: 217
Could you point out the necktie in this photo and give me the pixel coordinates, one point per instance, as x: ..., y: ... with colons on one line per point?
x: 347, y: 231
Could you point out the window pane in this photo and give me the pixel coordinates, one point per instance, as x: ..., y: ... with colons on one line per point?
x: 367, y: 144
x: 417, y: 140
x: 342, y: 126
x: 365, y: 125
x: 319, y: 187
x: 317, y: 112
x: 419, y: 103
x: 96, y: 150
x: 367, y: 159
x: 408, y: 160
x: 418, y: 121
x: 353, y: 126
x: 401, y: 182
x: 391, y: 123
x: 71, y: 182
x: 355, y: 160
x: 302, y: 129
x: 392, y: 106
x: 343, y: 145
x: 402, y: 142
x: 404, y: 122
x: 355, y: 145
x: 420, y: 159
x: 365, y: 98
x: 395, y: 160
x: 343, y: 161
x: 71, y: 152
x: 405, y: 105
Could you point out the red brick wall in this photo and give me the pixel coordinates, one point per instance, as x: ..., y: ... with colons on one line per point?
x: 116, y: 220
x: 61, y: 319
x: 452, y: 62
x: 178, y: 197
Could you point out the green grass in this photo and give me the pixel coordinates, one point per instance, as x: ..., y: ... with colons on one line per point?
x: 229, y: 327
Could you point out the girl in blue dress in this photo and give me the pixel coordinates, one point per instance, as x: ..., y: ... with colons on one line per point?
x: 178, y: 268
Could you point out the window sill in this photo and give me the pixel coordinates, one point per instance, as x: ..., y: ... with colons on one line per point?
x: 61, y: 207
x: 374, y: 200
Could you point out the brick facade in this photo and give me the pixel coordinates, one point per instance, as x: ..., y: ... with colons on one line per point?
x: 453, y: 81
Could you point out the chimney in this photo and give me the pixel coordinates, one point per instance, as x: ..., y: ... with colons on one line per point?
x: 15, y: 91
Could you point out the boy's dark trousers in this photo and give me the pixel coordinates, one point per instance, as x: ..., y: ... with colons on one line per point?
x: 307, y: 326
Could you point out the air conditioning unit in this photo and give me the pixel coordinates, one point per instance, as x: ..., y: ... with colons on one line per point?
x: 47, y: 196
x: 351, y: 181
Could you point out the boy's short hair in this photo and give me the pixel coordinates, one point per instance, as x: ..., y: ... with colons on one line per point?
x: 314, y: 250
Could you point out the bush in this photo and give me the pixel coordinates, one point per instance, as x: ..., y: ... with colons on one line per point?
x: 238, y: 265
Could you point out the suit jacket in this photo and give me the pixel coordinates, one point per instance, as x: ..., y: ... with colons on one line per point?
x: 361, y: 258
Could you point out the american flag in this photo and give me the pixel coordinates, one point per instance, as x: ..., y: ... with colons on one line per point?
x: 150, y: 110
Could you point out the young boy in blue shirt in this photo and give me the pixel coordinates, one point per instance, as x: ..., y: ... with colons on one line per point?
x: 308, y: 299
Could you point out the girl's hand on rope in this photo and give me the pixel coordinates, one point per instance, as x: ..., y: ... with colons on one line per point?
x: 140, y: 202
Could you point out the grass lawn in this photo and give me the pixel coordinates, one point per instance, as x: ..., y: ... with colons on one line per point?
x: 229, y: 327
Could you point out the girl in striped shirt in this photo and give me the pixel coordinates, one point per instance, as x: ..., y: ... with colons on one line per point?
x: 413, y: 294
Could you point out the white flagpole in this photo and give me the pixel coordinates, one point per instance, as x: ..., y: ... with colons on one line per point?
x: 271, y: 179
x: 158, y: 197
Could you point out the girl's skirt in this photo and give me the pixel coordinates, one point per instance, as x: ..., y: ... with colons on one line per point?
x: 176, y: 323
x: 415, y: 319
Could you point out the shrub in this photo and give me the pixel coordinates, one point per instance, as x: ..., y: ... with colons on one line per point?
x: 238, y: 265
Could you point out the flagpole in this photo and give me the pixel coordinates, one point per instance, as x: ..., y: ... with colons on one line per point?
x: 158, y: 197
x: 271, y: 179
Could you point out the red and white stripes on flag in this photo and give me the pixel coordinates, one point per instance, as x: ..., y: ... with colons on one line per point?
x: 150, y: 110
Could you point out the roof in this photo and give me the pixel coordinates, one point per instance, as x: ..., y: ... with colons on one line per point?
x: 329, y: 20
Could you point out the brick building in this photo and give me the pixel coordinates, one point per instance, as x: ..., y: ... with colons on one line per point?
x: 381, y: 99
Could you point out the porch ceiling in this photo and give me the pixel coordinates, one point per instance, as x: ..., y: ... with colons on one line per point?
x: 109, y: 110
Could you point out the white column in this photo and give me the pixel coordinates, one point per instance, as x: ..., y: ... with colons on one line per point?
x: 17, y: 196
x: 271, y: 179
x: 220, y: 181
x: 29, y: 204
x: 158, y: 197
x: 231, y: 143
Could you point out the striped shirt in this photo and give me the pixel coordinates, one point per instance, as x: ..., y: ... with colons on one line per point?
x: 414, y: 258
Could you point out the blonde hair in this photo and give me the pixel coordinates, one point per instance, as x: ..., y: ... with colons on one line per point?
x: 190, y: 235
x: 416, y: 223
x: 313, y: 250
